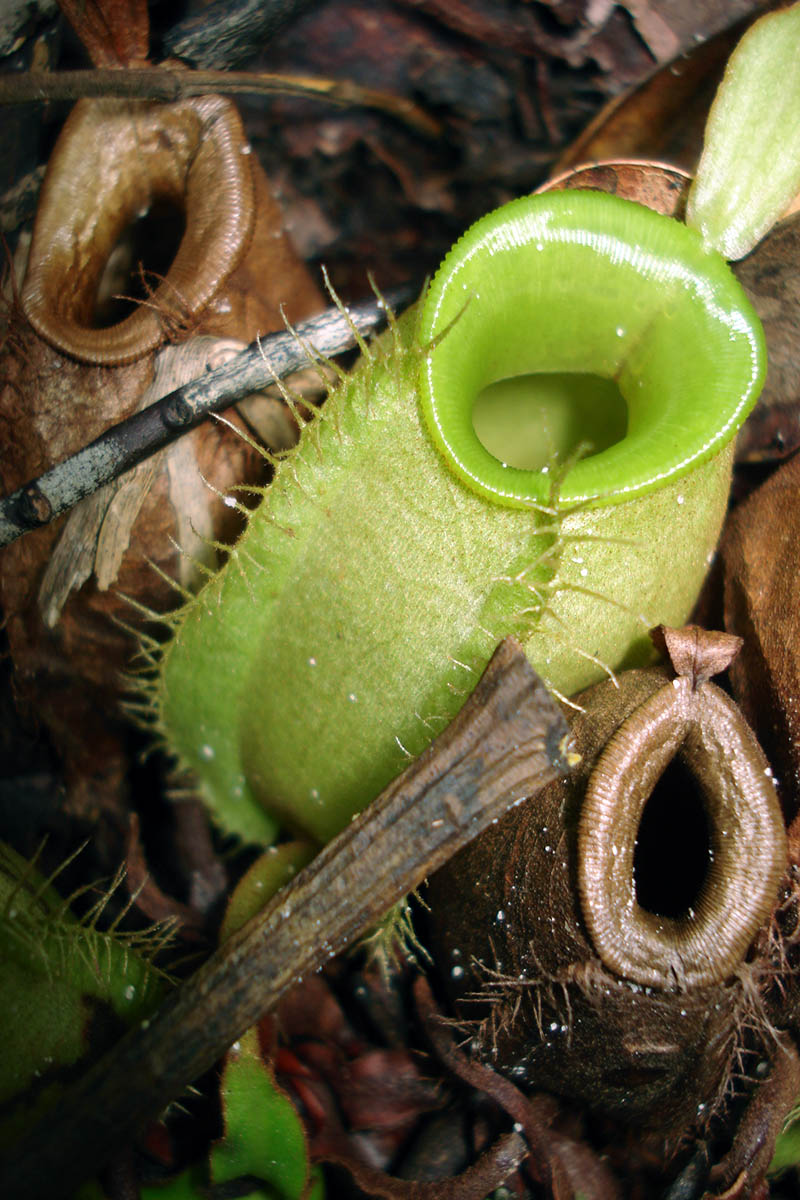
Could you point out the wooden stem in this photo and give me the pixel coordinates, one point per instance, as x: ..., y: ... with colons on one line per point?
x: 506, y: 743
x: 161, y: 83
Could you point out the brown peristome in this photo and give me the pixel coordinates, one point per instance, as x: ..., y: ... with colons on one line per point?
x: 651, y: 1041
x: 113, y: 160
x: 707, y: 942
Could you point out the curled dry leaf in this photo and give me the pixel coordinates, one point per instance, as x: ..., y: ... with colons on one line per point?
x: 657, y: 186
x: 149, y: 897
x: 114, y: 32
x: 761, y: 570
x: 96, y: 536
x: 568, y: 1168
x: 662, y: 117
x: 68, y: 648
x: 771, y: 278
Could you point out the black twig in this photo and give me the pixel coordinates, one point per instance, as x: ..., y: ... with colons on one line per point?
x: 129, y: 442
x: 164, y: 84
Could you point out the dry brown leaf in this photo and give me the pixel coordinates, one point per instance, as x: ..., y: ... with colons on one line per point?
x: 114, y: 32
x: 660, y: 188
x: 663, y: 117
x: 761, y: 568
x: 69, y: 669
x: 771, y: 277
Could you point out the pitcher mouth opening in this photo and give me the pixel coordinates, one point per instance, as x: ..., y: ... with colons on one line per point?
x: 584, y: 285
x: 673, y: 851
x: 143, y: 254
x: 164, y: 194
x: 532, y: 421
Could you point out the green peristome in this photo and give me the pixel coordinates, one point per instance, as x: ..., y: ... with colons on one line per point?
x: 372, y: 585
x: 749, y: 171
x: 577, y: 282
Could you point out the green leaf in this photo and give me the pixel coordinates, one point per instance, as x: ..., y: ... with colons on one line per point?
x: 264, y: 1138
x: 749, y: 171
x: 787, y: 1147
x: 67, y: 989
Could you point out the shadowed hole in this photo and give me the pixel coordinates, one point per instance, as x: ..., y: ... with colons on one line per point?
x: 530, y: 420
x: 143, y: 254
x: 673, y: 848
